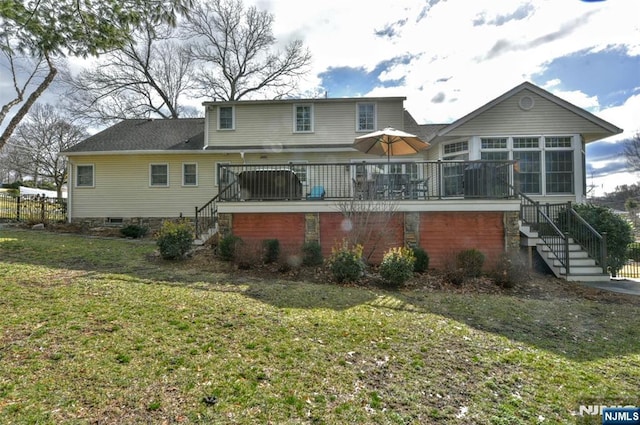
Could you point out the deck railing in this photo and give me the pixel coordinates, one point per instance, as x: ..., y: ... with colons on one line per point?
x: 367, y: 180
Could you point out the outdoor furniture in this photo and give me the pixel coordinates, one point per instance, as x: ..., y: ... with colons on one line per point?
x: 269, y: 184
x: 419, y: 189
x: 317, y: 193
x: 363, y: 189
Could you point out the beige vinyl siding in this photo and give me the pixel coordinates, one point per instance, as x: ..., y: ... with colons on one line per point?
x: 271, y: 124
x: 508, y: 118
x: 122, y: 187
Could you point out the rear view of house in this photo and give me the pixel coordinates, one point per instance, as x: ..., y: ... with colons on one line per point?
x: 287, y: 169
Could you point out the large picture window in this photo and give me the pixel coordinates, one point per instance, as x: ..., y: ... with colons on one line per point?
x: 84, y: 176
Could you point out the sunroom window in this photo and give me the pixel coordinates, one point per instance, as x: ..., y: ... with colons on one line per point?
x: 453, y: 174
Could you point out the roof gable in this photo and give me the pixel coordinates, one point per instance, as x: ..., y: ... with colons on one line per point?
x: 519, y: 105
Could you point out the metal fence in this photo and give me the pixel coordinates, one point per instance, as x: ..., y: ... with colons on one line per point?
x: 367, y: 180
x: 33, y: 209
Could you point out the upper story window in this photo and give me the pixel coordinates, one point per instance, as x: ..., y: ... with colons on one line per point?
x: 84, y: 176
x: 159, y: 175
x: 303, y: 118
x: 190, y: 174
x: 226, y: 118
x: 366, y: 119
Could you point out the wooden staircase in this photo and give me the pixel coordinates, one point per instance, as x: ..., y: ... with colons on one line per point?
x: 582, y: 268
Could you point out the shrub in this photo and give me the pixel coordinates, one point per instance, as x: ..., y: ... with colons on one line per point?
x: 634, y: 251
x: 174, y: 239
x: 421, y: 263
x: 618, y: 230
x: 508, y: 270
x: 346, y: 263
x: 228, y: 245
x: 470, y: 261
x: 271, y: 248
x: 312, y: 254
x: 134, y: 231
x: 397, y: 266
x: 248, y: 254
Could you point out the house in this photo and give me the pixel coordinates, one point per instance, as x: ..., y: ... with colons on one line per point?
x: 251, y: 167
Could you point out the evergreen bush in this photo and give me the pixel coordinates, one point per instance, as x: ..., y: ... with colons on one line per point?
x: 174, y: 239
x: 134, y: 231
x: 312, y: 254
x: 228, y: 245
x: 397, y: 266
x: 421, y: 263
x: 346, y: 263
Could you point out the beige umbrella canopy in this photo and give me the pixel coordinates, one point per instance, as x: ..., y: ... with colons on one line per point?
x: 389, y: 142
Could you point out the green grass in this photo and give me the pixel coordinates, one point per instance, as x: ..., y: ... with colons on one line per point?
x: 102, y: 331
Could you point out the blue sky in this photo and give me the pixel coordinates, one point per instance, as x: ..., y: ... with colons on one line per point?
x: 449, y: 57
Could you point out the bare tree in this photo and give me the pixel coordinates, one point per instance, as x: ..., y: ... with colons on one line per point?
x: 149, y: 76
x: 235, y: 48
x: 42, y: 136
x: 632, y: 152
x: 369, y: 223
x: 44, y: 30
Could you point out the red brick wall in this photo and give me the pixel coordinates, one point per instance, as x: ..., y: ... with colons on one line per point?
x: 443, y: 234
x: 385, y: 232
x: 288, y: 228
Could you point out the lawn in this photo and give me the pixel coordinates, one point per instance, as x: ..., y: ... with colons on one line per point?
x: 103, y: 331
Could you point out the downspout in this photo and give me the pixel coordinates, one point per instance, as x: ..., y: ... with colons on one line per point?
x: 69, y: 190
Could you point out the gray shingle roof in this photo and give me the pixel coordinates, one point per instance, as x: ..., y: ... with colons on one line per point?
x: 142, y: 134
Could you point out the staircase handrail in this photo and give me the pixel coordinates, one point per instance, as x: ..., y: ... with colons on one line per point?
x: 593, y: 242
x: 548, y: 232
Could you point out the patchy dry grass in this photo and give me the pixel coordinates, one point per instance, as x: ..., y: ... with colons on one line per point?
x: 102, y: 331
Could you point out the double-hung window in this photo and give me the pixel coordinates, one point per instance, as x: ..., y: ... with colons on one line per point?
x: 226, y: 118
x: 366, y: 117
x: 84, y: 176
x: 303, y: 118
x: 159, y: 175
x: 190, y: 174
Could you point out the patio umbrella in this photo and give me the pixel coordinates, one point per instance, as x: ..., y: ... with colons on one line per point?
x: 390, y: 142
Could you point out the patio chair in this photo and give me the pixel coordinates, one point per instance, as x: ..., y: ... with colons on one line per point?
x: 421, y: 189
x: 317, y: 193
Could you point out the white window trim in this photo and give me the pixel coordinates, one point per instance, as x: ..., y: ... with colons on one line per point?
x: 183, y: 174
x: 578, y: 172
x: 233, y: 118
x: 215, y: 170
x: 375, y: 117
x: 93, y: 176
x: 158, y: 185
x: 295, y: 117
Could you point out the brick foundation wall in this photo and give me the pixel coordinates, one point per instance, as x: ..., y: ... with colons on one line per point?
x: 444, y: 234
x: 288, y: 228
x: 441, y: 234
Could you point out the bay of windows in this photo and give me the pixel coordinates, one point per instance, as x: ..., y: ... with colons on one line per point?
x: 545, y: 162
